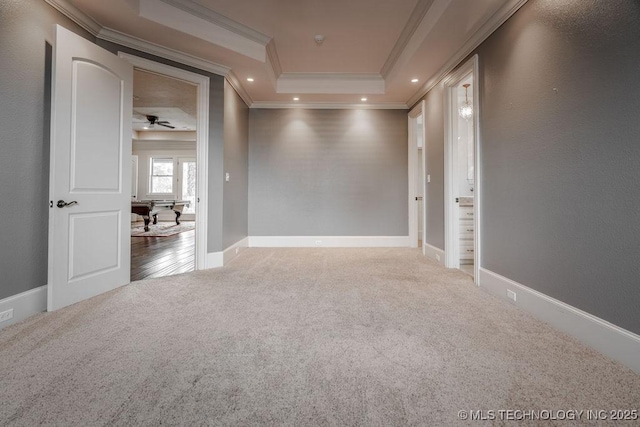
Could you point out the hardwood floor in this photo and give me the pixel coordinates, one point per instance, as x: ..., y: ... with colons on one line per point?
x: 162, y: 256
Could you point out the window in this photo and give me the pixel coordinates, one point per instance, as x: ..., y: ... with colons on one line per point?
x: 161, y: 181
x: 188, y: 187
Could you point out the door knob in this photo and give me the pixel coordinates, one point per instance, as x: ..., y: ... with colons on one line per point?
x: 63, y: 204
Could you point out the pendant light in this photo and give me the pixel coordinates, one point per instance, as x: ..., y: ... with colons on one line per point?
x: 466, y: 109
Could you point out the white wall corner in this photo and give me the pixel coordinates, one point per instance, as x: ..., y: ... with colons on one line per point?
x: 24, y: 305
x: 433, y: 253
x: 607, y: 338
x: 274, y: 69
x: 329, y: 241
x: 234, y: 250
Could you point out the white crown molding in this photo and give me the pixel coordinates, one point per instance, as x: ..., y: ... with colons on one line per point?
x: 219, y: 20
x: 332, y: 83
x: 117, y: 37
x: 498, y: 18
x: 416, y: 17
x: 76, y: 15
x: 240, y: 90
x: 198, y: 21
x: 329, y: 105
x: 274, y: 69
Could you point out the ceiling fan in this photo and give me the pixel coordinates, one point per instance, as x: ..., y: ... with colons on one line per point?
x: 153, y: 120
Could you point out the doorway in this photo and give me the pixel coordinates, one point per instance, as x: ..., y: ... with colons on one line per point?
x: 417, y: 182
x: 169, y: 158
x: 462, y: 195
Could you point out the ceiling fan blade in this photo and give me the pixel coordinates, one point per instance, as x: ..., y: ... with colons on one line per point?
x: 165, y: 125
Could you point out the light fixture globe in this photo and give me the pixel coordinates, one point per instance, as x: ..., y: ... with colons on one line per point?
x: 466, y: 109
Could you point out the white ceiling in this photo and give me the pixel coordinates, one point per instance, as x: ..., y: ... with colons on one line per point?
x: 168, y: 99
x: 372, y: 48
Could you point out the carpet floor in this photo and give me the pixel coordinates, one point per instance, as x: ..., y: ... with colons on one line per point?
x: 299, y: 337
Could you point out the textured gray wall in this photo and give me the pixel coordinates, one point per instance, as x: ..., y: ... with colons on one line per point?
x: 216, y: 140
x: 434, y: 196
x: 26, y: 36
x: 236, y: 163
x: 561, y: 168
x: 328, y: 173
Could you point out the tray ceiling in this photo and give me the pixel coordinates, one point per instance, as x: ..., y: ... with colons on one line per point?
x: 371, y: 48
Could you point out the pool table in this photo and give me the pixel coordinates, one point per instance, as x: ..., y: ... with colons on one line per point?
x: 151, y: 208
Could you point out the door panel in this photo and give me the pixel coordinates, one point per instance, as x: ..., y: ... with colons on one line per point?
x: 89, y: 243
x: 96, y: 139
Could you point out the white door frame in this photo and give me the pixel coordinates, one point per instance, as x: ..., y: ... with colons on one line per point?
x: 451, y: 243
x: 413, y: 171
x: 202, y: 142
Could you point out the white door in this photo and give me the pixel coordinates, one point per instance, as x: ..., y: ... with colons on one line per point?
x: 89, y: 238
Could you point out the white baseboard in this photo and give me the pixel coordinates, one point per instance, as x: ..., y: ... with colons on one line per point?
x: 232, y: 251
x: 329, y: 241
x: 219, y: 259
x: 605, y: 337
x: 24, y: 305
x: 214, y: 260
x: 433, y: 253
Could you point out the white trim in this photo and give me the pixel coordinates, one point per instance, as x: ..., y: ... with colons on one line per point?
x: 499, y: 18
x: 415, y: 19
x: 214, y: 260
x: 198, y: 21
x: 122, y: 39
x: 274, y: 69
x: 331, y: 83
x: 330, y: 105
x: 607, y: 338
x: 234, y: 81
x: 328, y: 241
x: 221, y: 258
x: 24, y: 304
x: 451, y: 243
x: 202, y: 143
x: 219, y: 20
x: 232, y: 251
x: 76, y: 15
x: 433, y: 253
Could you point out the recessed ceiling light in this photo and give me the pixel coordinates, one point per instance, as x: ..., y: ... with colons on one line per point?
x: 249, y: 79
x: 296, y: 99
x: 363, y: 99
x: 414, y: 80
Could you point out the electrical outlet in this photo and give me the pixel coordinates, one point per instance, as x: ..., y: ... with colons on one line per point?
x: 428, y: 178
x: 227, y: 177
x: 511, y: 295
x: 6, y: 315
x: 318, y: 242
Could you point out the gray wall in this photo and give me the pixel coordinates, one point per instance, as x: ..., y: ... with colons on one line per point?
x: 328, y: 172
x: 236, y: 163
x: 26, y: 36
x: 434, y: 195
x: 216, y: 141
x: 561, y: 169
